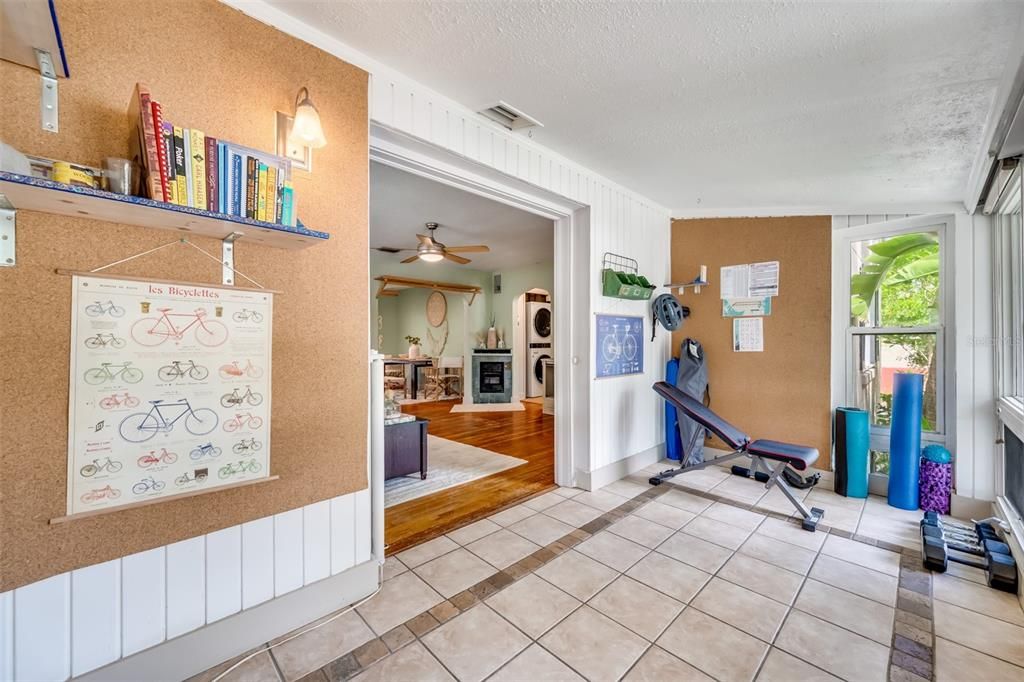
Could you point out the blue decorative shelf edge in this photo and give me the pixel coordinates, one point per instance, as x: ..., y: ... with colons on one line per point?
x: 38, y: 194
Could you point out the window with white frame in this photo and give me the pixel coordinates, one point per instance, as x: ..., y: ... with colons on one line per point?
x: 896, y: 320
x: 1009, y: 294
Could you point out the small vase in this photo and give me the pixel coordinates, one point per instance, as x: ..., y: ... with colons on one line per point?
x: 492, y: 338
x: 414, y: 351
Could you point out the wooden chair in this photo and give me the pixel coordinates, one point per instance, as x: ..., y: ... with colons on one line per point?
x: 451, y: 375
x: 394, y: 378
x: 433, y: 386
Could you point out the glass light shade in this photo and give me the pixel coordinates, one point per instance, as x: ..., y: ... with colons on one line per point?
x: 306, y: 129
x: 431, y: 256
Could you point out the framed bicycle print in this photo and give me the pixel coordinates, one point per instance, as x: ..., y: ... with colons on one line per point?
x: 169, y: 391
x: 620, y: 345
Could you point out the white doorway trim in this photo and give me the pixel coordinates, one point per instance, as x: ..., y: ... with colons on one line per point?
x: 571, y: 276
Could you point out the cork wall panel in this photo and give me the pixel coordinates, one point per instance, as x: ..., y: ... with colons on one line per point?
x: 782, y: 393
x: 217, y: 70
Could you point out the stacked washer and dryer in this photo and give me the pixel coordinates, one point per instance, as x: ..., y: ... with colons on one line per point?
x: 539, y: 340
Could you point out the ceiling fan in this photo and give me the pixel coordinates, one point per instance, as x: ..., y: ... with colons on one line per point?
x: 430, y: 250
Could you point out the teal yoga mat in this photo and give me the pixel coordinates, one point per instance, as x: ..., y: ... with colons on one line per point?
x: 851, y: 475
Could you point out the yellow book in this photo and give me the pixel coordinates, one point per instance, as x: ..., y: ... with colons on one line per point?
x: 271, y: 194
x: 261, y: 204
x: 197, y: 157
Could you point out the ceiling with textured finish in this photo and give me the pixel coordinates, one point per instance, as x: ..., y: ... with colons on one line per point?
x: 400, y: 204
x: 726, y: 104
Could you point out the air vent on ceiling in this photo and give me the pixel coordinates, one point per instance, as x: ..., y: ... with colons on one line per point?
x: 508, y: 116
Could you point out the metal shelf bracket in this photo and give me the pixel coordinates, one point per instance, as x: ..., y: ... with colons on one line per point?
x: 48, y: 98
x: 227, y: 257
x: 8, y: 221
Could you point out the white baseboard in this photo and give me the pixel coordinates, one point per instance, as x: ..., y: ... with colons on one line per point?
x: 594, y: 480
x: 963, y: 507
x: 200, y: 650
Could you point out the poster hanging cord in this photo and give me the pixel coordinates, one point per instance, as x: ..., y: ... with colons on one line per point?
x: 178, y: 241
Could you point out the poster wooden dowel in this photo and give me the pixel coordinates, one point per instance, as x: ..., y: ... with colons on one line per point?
x: 159, y: 500
x: 84, y: 273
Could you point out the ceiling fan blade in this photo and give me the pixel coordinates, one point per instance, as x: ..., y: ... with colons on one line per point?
x: 476, y: 248
x: 424, y: 239
x: 389, y: 249
x: 411, y: 259
x: 458, y: 259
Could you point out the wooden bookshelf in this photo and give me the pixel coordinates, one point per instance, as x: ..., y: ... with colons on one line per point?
x: 36, y: 194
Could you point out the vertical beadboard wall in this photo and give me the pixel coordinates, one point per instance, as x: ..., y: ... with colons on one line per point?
x: 75, y: 622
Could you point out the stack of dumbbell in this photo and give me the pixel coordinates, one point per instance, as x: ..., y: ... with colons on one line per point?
x: 947, y: 540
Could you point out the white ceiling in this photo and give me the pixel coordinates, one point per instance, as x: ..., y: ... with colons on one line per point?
x: 400, y: 204
x: 724, y: 104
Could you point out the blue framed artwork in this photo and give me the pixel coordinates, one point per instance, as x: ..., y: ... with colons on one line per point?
x: 620, y: 345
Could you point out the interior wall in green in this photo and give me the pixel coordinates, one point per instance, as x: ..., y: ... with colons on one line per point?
x: 514, y: 283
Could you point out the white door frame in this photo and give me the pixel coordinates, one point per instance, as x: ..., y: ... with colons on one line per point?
x: 572, y: 275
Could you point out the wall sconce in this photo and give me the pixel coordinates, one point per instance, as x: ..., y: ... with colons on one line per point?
x: 300, y: 134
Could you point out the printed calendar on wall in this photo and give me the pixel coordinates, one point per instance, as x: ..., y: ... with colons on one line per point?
x: 169, y: 390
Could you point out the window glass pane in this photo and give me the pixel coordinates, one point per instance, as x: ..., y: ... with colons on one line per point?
x: 895, y: 281
x: 879, y: 357
x: 879, y: 462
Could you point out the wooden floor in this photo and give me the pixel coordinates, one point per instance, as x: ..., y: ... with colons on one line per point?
x: 529, y: 435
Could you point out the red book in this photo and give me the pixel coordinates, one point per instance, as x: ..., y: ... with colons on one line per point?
x: 144, y: 101
x: 212, y: 175
x: 161, y: 150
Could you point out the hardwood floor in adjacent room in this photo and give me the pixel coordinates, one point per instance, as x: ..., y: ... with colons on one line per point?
x: 529, y: 435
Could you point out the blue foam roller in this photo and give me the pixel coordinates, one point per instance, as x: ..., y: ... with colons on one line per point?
x: 852, y: 446
x: 905, y: 441
x: 673, y: 442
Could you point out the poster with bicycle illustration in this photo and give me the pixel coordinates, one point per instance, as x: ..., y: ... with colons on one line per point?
x: 169, y: 391
x: 620, y: 345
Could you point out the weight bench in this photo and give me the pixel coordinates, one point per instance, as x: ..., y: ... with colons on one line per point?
x: 760, y: 451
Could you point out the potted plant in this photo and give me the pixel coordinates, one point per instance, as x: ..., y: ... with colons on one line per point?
x: 414, y: 346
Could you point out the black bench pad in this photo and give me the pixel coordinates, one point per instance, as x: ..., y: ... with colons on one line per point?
x: 797, y: 456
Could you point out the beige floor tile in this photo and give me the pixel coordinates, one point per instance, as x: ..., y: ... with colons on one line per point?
x: 474, y: 531
x: 604, y: 499
x: 680, y: 499
x: 875, y: 558
x: 841, y: 518
x: 674, y: 578
x: 848, y: 610
x: 535, y: 665
x: 666, y: 515
x: 782, y: 554
x: 827, y: 500
x: 761, y: 577
x: 877, y: 586
x: 533, y: 605
x: 638, y: 607
x: 734, y: 516
x: 454, y: 572
x: 399, y: 599
x: 707, y: 556
x: 393, y: 567
x: 573, y: 513
x: 955, y: 663
x: 424, y: 552
x: 475, y: 643
x: 715, y: 648
x: 897, y: 532
x: 975, y: 575
x: 503, y: 548
x: 838, y: 651
x: 612, y: 550
x: 507, y: 517
x: 259, y: 668
x: 782, y: 667
x: 657, y: 665
x: 641, y: 531
x: 745, y: 490
x: 626, y: 488
x: 702, y: 479
x: 988, y: 635
x: 878, y: 506
x: 542, y: 502
x: 567, y: 492
x: 730, y: 537
x: 792, y: 533
x: 593, y: 644
x: 318, y: 647
x: 541, y: 529
x: 412, y: 663
x: 741, y: 608
x: 984, y: 600
x: 579, y: 575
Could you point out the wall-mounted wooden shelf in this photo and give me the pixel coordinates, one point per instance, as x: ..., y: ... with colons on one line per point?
x: 391, y: 285
x: 36, y: 194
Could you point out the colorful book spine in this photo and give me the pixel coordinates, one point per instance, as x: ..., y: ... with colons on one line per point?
x: 180, y: 166
x: 190, y: 187
x: 212, y: 175
x: 251, y: 182
x: 197, y: 158
x: 167, y: 135
x: 271, y: 213
x: 161, y: 153
x: 287, y: 204
x: 237, y: 207
x: 261, y: 196
x: 222, y: 177
x: 143, y: 141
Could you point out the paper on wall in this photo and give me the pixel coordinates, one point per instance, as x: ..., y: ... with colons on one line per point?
x: 734, y: 280
x: 750, y: 281
x: 748, y: 335
x: 746, y: 307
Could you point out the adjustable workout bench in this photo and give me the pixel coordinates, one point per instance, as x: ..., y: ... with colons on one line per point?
x: 783, y: 454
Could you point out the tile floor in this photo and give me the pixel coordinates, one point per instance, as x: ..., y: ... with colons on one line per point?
x: 708, y: 581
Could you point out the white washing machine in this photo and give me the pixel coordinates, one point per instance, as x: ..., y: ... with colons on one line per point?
x: 541, y: 329
x: 535, y: 373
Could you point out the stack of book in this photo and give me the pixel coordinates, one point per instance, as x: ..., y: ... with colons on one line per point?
x: 185, y: 167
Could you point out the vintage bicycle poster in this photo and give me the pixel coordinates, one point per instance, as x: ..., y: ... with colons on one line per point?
x: 169, y: 390
x: 620, y: 345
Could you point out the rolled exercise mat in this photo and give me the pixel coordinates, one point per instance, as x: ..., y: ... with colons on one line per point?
x: 905, y: 440
x: 936, y: 479
x: 851, y: 476
x: 673, y: 442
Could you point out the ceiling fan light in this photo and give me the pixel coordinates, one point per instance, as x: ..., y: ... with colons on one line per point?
x: 431, y: 256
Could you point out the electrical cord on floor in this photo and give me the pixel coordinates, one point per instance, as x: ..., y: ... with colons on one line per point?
x: 339, y: 614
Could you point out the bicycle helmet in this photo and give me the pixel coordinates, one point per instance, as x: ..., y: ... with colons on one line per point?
x: 667, y: 311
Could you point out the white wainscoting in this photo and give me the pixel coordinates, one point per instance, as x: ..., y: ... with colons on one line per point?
x: 75, y: 622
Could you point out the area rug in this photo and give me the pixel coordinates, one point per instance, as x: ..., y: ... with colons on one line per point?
x: 489, y: 407
x: 448, y: 464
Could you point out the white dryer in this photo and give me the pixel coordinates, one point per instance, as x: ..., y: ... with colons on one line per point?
x: 535, y: 373
x: 541, y: 329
